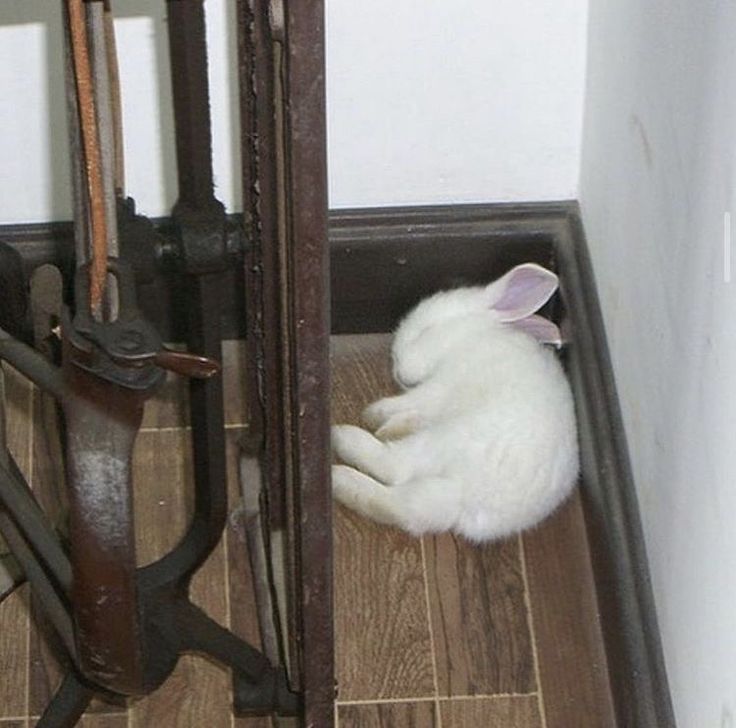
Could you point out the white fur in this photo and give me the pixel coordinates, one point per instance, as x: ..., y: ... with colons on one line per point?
x: 482, y: 441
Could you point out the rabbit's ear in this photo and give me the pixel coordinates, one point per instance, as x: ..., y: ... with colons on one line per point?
x: 541, y: 329
x: 521, y: 292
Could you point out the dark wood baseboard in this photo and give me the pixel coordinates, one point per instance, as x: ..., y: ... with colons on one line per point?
x: 383, y: 261
x: 628, y: 617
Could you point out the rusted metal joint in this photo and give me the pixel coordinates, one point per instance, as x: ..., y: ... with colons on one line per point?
x: 116, y: 351
x: 170, y: 251
x: 201, y: 238
x: 127, y: 351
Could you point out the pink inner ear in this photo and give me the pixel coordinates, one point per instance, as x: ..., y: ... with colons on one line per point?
x: 522, y: 291
x: 540, y: 328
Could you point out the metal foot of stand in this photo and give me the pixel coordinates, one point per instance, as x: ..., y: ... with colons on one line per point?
x: 68, y: 704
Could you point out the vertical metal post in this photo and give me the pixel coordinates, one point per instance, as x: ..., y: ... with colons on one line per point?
x: 283, y: 113
x: 306, y: 192
x: 188, y: 52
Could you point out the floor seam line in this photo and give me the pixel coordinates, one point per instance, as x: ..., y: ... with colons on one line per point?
x: 532, y: 632
x: 388, y: 701
x: 430, y: 698
x: 430, y: 627
x: 186, y: 428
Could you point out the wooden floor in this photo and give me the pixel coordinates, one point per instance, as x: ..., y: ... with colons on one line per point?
x: 430, y: 632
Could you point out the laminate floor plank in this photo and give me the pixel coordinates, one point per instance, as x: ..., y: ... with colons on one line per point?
x: 44, y: 671
x: 198, y: 691
x: 18, y: 403
x: 164, y: 495
x: 572, y: 663
x: 481, y: 632
x: 388, y: 715
x: 479, y: 627
x: 383, y: 643
x: 243, y: 610
x: 500, y: 712
x: 14, y: 653
x: 170, y: 407
x: 384, y: 648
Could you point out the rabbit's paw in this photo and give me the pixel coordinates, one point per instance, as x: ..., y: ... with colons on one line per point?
x: 363, y: 494
x: 356, y: 447
x: 398, y: 426
x: 346, y: 484
x: 381, y: 411
x: 347, y: 442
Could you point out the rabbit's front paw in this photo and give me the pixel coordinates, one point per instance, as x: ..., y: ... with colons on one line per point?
x: 346, y: 484
x: 346, y: 442
x: 380, y: 412
x: 398, y: 426
x: 356, y: 447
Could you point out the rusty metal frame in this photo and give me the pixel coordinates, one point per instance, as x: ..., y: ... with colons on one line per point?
x: 121, y: 629
x: 287, y: 287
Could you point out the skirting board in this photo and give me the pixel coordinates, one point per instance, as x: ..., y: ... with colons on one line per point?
x: 383, y: 261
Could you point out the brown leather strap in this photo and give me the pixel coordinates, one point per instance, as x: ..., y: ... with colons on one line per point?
x: 92, y: 154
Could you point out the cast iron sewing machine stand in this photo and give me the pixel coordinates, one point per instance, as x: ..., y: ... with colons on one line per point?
x: 120, y: 628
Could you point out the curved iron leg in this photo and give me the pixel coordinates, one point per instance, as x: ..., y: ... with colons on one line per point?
x: 67, y: 705
x: 259, y: 687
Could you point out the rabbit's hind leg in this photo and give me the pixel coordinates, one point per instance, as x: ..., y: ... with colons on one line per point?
x: 357, y: 447
x: 429, y: 505
x: 363, y: 494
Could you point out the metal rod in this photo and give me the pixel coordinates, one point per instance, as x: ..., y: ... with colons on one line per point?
x: 10, y: 573
x: 105, y: 123
x: 190, y: 86
x: 54, y: 606
x: 99, y: 56
x: 251, y: 483
x: 4, y: 455
x: 79, y: 198
x: 194, y: 631
x: 306, y: 192
x: 17, y: 500
x: 208, y: 441
x: 92, y: 152
x: 32, y: 364
x: 67, y: 705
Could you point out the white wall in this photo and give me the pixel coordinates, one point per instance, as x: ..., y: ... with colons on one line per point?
x: 446, y: 102
x: 460, y: 101
x: 658, y: 174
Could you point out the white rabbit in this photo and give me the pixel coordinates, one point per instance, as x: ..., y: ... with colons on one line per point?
x: 483, y: 440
